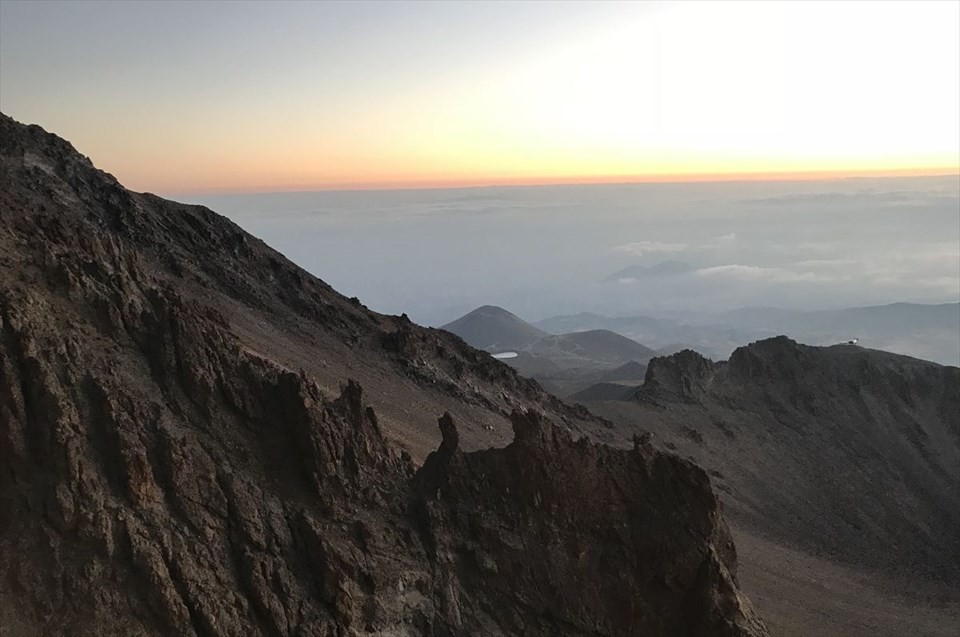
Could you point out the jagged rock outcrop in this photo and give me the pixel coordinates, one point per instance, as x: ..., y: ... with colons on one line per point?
x: 208, y: 491
x: 546, y: 500
x: 163, y: 472
x: 681, y: 376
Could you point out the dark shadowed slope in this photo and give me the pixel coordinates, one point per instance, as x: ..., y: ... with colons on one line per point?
x: 493, y: 328
x: 173, y: 460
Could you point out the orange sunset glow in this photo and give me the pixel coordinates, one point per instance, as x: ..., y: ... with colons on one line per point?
x: 475, y: 94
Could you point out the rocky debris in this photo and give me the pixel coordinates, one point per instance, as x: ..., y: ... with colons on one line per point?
x: 161, y: 475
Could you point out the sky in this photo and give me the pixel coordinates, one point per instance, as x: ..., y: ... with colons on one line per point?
x: 214, y: 97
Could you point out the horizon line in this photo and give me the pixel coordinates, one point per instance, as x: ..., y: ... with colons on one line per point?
x: 610, y: 180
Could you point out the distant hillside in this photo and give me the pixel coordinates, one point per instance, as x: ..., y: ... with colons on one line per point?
x: 562, y: 363
x: 891, y: 317
x: 602, y: 391
x: 633, y: 370
x: 493, y: 328
x: 565, y: 324
x: 568, y: 363
x: 847, y: 453
x: 929, y: 332
x: 655, y: 332
x: 593, y: 348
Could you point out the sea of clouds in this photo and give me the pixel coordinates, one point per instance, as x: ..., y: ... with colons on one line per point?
x: 546, y: 250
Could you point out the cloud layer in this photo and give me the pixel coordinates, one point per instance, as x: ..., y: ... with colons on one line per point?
x: 542, y: 251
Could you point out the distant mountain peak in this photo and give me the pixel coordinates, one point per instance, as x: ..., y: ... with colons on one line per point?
x: 492, y: 328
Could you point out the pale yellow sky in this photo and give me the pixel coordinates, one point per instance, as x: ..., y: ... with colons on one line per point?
x: 194, y: 97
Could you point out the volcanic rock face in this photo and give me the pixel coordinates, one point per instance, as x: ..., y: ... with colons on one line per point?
x: 161, y: 474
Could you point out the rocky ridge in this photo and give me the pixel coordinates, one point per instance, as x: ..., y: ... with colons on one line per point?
x: 53, y: 198
x: 165, y: 467
x: 842, y: 451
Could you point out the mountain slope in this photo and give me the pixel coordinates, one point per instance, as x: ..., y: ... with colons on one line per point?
x: 930, y: 332
x: 562, y: 363
x: 592, y: 348
x: 654, y: 332
x: 631, y: 371
x: 601, y: 391
x: 493, y: 328
x: 277, y: 309
x: 850, y: 455
x: 181, y: 451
